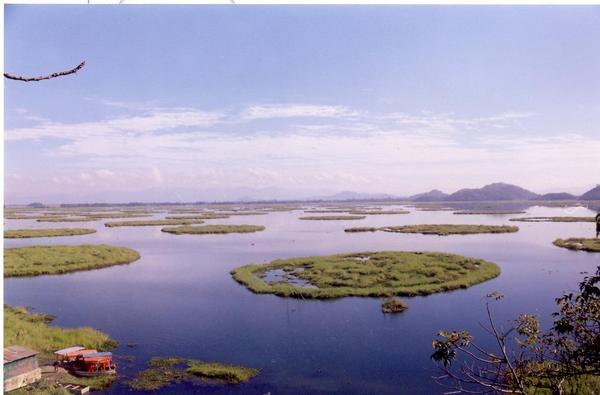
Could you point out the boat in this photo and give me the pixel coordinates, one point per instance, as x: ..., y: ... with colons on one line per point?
x: 93, y: 364
x: 85, y: 362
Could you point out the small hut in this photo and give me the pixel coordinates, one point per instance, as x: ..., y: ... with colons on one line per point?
x: 20, y: 367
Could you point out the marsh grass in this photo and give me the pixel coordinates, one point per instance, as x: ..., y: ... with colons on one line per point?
x: 28, y: 233
x: 440, y: 229
x: 450, y: 229
x: 553, y: 219
x: 67, y: 219
x: 393, y: 305
x: 24, y: 328
x: 199, y: 216
x: 489, y: 212
x: 154, y: 222
x: 375, y: 274
x: 379, y: 212
x: 213, y: 229
x: 173, y: 370
x: 39, y: 260
x: 579, y: 244
x: 332, y: 217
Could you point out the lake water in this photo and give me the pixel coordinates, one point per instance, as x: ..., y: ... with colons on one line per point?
x: 180, y: 300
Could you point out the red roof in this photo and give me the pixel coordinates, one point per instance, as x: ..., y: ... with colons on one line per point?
x: 14, y: 353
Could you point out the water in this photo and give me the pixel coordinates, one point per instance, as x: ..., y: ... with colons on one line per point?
x: 180, y: 300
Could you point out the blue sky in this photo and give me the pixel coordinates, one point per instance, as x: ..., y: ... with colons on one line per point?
x: 222, y: 102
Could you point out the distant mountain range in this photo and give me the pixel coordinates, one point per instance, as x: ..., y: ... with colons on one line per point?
x: 493, y: 192
x: 498, y: 191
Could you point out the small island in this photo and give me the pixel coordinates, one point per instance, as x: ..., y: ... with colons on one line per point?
x: 440, y: 229
x: 154, y: 222
x: 163, y: 371
x: 57, y: 232
x: 332, y: 217
x: 553, y: 219
x: 212, y: 229
x: 393, y: 306
x: 379, y: 212
x: 374, y: 274
x: 579, y: 244
x: 40, y: 260
x: 489, y: 212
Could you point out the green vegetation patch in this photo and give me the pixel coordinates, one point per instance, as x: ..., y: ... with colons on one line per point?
x: 553, y: 219
x: 332, y: 217
x: 115, y: 215
x: 39, y: 260
x: 579, y: 244
x: 450, y: 229
x: 489, y: 212
x: 33, y: 331
x: 199, y: 216
x: 393, y: 306
x: 440, y: 229
x: 173, y: 370
x: 213, y: 229
x: 27, y: 233
x: 67, y: 219
x: 361, y: 229
x: 155, y: 222
x: 379, y: 212
x: 376, y: 274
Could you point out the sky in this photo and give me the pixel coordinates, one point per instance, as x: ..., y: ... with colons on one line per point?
x: 224, y: 102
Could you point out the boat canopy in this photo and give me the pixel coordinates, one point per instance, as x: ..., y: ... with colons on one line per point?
x: 69, y: 350
x: 97, y: 355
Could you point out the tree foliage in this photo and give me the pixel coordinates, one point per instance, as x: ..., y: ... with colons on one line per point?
x: 528, y: 360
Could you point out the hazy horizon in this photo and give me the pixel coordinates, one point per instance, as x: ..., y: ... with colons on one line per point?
x: 195, y: 103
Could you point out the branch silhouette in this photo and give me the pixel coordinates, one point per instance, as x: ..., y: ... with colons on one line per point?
x: 46, y: 77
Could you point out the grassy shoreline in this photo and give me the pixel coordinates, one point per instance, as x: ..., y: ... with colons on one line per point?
x: 579, y: 244
x: 46, y: 232
x: 41, y: 260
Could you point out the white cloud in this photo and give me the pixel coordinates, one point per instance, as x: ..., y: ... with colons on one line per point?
x: 295, y: 111
x: 346, y: 150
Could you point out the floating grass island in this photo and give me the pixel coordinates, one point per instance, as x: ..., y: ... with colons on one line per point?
x: 67, y: 219
x: 40, y: 260
x: 332, y: 217
x: 154, y: 222
x: 393, y: 306
x: 199, y: 216
x: 440, y: 229
x: 489, y: 212
x: 379, y: 212
x: 553, y: 219
x: 213, y: 229
x: 172, y: 370
x: 579, y: 244
x: 27, y: 233
x: 375, y: 274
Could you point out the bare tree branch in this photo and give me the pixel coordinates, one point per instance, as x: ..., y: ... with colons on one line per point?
x: 46, y: 77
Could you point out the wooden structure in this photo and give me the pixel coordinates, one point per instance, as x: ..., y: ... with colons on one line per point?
x: 20, y: 367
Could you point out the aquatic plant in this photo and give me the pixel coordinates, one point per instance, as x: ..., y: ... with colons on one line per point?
x: 164, y: 371
x: 393, y: 305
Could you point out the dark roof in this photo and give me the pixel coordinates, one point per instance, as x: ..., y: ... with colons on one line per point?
x: 14, y: 353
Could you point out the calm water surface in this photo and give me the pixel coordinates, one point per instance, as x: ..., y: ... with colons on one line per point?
x: 180, y: 300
